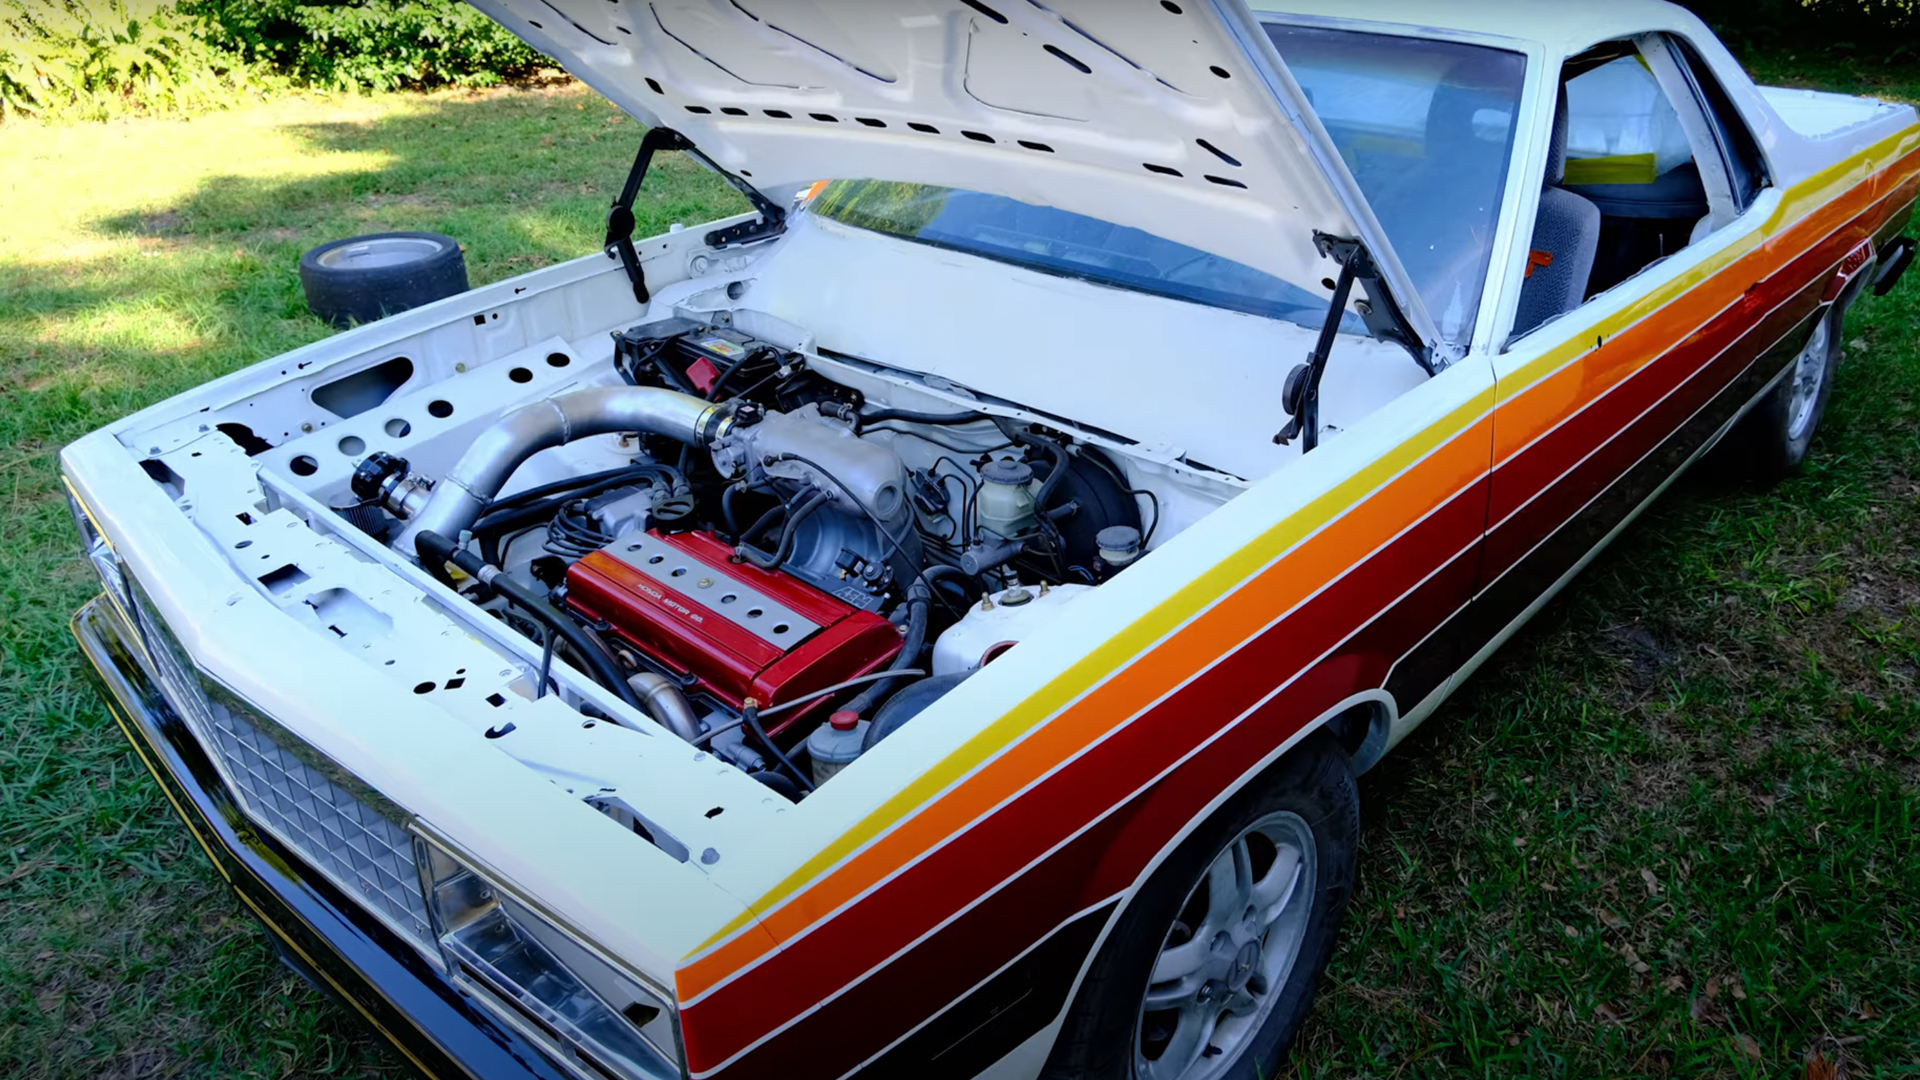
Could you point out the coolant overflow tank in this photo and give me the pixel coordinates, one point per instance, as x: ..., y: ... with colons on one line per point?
x: 974, y: 638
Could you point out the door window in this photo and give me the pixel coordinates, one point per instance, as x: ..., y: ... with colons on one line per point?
x: 1655, y: 159
x: 1621, y: 129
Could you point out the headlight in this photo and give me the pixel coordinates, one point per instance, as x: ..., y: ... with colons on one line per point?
x: 569, y: 999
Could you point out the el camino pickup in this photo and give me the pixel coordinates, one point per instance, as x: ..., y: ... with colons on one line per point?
x: 930, y: 625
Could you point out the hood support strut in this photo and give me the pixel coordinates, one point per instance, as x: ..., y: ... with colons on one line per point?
x: 620, y: 221
x: 1301, y: 395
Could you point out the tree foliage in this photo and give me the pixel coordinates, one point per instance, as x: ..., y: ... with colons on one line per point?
x: 99, y: 58
x: 1886, y: 31
x: 372, y: 44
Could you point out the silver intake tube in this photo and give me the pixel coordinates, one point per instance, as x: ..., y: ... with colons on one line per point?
x: 666, y: 704
x: 460, y: 497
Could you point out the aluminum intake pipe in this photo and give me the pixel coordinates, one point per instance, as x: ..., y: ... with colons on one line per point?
x: 460, y: 497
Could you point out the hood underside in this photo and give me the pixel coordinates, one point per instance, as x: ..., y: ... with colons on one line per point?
x: 1174, y: 118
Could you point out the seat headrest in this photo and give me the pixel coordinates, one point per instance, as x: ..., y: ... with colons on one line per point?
x: 1470, y: 88
x: 1557, y: 145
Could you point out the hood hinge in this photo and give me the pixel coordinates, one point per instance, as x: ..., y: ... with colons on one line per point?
x: 620, y: 221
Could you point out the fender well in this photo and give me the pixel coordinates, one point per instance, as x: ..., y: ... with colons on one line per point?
x: 1359, y: 724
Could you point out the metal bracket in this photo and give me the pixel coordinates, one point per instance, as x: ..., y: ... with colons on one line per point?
x: 619, y: 242
x: 620, y: 220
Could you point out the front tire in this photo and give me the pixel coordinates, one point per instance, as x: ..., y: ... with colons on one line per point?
x: 1213, y: 966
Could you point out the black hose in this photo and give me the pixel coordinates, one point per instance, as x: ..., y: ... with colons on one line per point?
x: 750, y: 716
x: 436, y: 551
x: 658, y: 358
x: 788, y: 535
x: 511, y: 515
x: 1059, y: 455
x: 713, y: 391
x: 807, y: 699
x: 942, y: 443
x: 919, y: 596
x: 726, y: 509
x: 934, y: 574
x: 533, y: 494
x: 761, y: 524
x: 909, y: 416
x: 899, y: 548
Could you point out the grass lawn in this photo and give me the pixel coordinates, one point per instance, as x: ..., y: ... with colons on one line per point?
x: 1674, y: 829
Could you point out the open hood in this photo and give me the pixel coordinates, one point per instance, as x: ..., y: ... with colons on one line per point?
x: 1175, y: 118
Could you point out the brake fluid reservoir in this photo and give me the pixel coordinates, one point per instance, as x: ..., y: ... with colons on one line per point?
x: 1006, y: 507
x: 1002, y: 619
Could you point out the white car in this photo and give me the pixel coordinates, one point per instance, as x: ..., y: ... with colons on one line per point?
x: 930, y: 626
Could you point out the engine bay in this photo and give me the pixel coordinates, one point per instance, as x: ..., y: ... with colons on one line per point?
x: 771, y: 560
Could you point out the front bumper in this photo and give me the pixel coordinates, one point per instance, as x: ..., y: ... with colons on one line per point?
x: 320, y: 932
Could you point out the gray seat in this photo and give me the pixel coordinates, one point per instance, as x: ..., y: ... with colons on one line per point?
x: 1566, y: 236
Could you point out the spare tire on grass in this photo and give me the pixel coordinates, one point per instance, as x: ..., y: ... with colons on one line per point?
x: 365, y: 278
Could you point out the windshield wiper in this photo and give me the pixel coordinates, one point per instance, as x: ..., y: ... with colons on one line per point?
x: 1301, y: 395
x: 619, y: 242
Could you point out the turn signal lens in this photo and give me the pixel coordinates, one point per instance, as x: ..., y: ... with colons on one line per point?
x: 548, y: 985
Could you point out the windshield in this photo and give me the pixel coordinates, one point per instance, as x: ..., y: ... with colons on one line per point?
x: 1426, y: 128
x: 1055, y: 241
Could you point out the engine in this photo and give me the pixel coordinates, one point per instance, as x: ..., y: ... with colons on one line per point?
x: 724, y: 628
x: 782, y: 573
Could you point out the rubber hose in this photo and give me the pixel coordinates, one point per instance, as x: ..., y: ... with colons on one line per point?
x: 910, y: 702
x: 436, y: 550
x: 1059, y: 455
x: 911, y: 417
x: 919, y: 599
x: 788, y: 535
x: 750, y: 716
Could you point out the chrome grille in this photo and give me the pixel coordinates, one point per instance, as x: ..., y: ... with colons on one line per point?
x: 349, y: 841
x: 354, y: 838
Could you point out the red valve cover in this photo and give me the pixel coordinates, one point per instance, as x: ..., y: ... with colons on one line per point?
x: 737, y: 630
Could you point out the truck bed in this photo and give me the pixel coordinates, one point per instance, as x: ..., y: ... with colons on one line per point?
x: 1819, y: 115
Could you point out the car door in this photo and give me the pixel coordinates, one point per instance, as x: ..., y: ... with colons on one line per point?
x: 1683, y: 320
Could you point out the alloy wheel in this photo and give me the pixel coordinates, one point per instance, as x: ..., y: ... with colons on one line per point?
x: 1809, y: 372
x: 1228, y: 953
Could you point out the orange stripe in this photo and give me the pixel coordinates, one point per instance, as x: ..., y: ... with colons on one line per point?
x: 1240, y: 616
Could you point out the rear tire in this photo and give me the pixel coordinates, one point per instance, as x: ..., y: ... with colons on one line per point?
x: 365, y: 278
x: 1213, y: 966
x: 1774, y: 439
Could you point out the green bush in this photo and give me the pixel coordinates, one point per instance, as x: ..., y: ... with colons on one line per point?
x: 1877, y: 30
x: 94, y: 59
x: 375, y: 44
